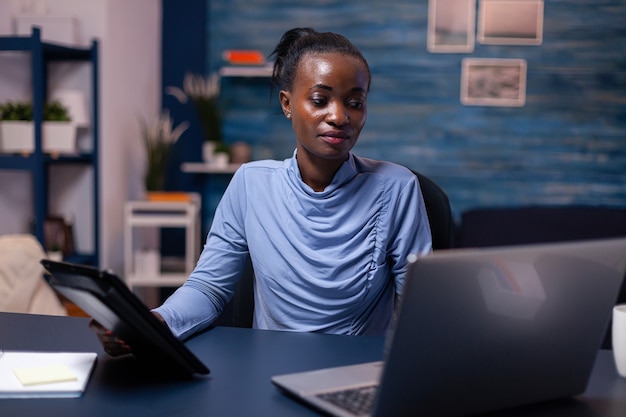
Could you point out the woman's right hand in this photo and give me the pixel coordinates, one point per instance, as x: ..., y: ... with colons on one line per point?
x: 112, y: 344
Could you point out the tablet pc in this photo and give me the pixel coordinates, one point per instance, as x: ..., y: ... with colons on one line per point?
x: 107, y: 299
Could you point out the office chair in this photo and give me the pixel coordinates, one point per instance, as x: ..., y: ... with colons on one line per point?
x: 240, y: 310
x: 439, y: 213
x: 482, y: 227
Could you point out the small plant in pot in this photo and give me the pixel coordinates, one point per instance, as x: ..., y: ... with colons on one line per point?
x: 159, y: 138
x: 17, y: 132
x: 203, y: 92
x: 23, y: 111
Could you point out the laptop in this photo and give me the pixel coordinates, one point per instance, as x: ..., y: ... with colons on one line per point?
x: 105, y: 297
x: 482, y: 330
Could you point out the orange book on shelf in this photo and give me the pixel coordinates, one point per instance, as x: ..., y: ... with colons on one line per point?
x: 244, y: 57
x: 168, y: 196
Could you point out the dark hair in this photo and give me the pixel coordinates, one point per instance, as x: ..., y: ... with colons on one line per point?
x: 298, y: 42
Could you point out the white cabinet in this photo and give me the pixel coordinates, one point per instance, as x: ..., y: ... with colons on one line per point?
x: 157, y: 215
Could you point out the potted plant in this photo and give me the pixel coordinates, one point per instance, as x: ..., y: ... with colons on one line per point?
x: 17, y: 131
x: 16, y: 127
x: 55, y: 253
x: 204, y: 95
x: 58, y: 131
x: 159, y: 138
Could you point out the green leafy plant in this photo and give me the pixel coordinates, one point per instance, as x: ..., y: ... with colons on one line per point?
x: 23, y: 110
x: 204, y: 94
x: 55, y: 111
x: 222, y: 147
x: 16, y: 111
x: 159, y: 138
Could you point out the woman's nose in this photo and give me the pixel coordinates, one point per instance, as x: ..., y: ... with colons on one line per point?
x: 338, y: 115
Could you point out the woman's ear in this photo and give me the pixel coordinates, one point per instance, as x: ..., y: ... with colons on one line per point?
x: 285, y: 102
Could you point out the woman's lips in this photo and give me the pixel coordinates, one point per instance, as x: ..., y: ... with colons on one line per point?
x: 334, y: 137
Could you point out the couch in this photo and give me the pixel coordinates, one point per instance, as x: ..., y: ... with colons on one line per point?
x: 23, y: 288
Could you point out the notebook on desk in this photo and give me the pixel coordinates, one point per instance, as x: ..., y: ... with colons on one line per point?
x: 104, y: 297
x: 482, y: 330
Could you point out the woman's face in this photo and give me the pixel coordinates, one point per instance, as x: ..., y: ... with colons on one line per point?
x: 327, y: 105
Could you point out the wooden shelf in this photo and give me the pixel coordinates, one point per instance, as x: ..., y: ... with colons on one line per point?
x: 247, y: 71
x: 167, y: 279
x: 204, y: 168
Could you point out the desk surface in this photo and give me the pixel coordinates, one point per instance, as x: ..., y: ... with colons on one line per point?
x: 241, y: 362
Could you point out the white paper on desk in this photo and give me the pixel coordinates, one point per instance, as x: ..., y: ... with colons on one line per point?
x: 79, y: 363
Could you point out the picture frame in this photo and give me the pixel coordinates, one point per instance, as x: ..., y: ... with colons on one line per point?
x: 451, y: 26
x: 493, y: 82
x: 510, y: 22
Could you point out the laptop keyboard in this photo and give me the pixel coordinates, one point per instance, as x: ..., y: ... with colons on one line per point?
x: 358, y: 401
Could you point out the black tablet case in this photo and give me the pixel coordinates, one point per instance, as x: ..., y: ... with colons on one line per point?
x: 105, y: 297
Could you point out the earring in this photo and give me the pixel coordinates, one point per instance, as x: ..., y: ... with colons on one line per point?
x: 288, y: 115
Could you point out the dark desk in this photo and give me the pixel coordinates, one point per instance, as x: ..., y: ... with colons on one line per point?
x: 242, y: 362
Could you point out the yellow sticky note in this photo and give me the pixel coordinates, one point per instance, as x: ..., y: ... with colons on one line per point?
x: 44, y: 375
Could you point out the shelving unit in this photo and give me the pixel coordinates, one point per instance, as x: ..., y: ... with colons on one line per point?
x: 157, y: 215
x: 38, y: 163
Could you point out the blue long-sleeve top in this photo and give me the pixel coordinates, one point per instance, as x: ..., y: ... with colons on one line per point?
x: 332, y: 261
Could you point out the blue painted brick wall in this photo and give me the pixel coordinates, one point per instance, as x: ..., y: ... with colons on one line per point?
x: 567, y: 145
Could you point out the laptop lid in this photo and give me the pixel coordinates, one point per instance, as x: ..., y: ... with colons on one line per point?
x: 108, y: 300
x: 482, y: 330
x: 488, y: 329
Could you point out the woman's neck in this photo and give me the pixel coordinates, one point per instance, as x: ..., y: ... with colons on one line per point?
x: 316, y: 172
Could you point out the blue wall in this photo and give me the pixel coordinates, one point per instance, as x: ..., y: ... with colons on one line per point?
x: 184, y: 49
x: 566, y: 146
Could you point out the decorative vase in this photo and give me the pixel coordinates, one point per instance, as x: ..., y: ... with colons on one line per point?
x: 148, y: 262
x: 240, y: 153
x: 208, y: 150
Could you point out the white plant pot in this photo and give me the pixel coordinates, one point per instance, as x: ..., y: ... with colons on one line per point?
x: 55, y: 256
x: 19, y: 137
x: 59, y: 137
x: 220, y: 160
x: 208, y: 150
x: 148, y: 262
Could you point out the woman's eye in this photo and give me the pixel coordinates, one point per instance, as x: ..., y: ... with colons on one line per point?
x: 355, y: 104
x: 319, y: 101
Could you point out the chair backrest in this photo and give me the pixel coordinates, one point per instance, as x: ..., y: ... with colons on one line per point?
x: 484, y: 227
x: 442, y: 227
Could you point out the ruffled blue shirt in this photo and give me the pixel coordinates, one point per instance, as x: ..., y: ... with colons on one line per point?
x: 330, y: 261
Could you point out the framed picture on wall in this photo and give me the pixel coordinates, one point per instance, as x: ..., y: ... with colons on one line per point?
x: 493, y: 82
x: 451, y: 25
x: 510, y: 22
